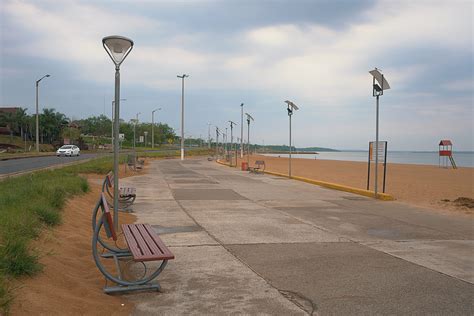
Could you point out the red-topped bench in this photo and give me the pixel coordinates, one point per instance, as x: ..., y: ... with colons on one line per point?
x: 144, y: 245
x: 127, y: 195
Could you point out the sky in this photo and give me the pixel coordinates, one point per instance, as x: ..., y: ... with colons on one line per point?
x: 315, y: 53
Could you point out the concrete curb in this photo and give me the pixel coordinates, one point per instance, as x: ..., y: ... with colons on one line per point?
x: 334, y: 186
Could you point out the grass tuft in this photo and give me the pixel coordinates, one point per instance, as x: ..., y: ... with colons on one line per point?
x: 48, y: 215
x: 16, y: 259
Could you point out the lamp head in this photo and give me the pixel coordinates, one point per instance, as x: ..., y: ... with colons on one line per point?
x: 118, y: 47
x: 48, y: 76
x: 382, y: 83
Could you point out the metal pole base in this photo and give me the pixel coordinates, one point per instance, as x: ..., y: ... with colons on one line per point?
x: 131, y: 288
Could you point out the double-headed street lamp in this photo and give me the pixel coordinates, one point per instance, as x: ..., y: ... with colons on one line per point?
x: 377, y: 91
x: 37, y: 112
x: 182, y: 113
x: 249, y: 117
x: 118, y: 48
x: 153, y: 127
x: 291, y: 107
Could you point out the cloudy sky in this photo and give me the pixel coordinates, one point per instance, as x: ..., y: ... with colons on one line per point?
x: 314, y: 53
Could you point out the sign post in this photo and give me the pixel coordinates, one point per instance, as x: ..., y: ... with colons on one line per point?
x: 376, y: 152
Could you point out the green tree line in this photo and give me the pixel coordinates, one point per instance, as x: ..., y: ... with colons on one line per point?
x: 54, y: 126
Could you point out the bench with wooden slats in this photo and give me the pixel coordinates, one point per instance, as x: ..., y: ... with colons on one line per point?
x: 144, y: 243
x: 127, y: 195
x: 259, y: 167
x: 125, y: 192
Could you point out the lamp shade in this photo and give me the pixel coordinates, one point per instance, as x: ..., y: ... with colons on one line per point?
x: 117, y: 47
x: 383, y: 83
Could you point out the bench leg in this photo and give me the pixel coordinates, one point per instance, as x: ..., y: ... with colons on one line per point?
x: 130, y: 288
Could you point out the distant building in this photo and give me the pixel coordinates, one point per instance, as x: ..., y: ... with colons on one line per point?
x: 5, y: 129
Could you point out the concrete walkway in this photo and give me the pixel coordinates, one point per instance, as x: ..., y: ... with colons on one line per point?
x: 259, y: 244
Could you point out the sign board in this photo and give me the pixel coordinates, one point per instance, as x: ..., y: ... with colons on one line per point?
x: 382, y: 151
x: 141, y: 139
x: 146, y: 133
x: 121, y: 137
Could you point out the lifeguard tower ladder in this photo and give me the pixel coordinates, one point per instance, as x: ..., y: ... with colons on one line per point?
x: 446, y: 154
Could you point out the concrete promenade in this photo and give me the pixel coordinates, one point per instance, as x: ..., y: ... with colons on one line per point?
x: 260, y: 244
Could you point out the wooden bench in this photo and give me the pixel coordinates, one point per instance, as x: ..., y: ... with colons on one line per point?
x: 259, y: 167
x: 143, y: 245
x: 134, y: 163
x: 127, y: 195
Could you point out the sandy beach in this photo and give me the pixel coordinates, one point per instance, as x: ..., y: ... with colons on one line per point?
x: 421, y: 185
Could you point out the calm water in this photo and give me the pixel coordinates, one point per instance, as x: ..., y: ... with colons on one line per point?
x: 462, y: 159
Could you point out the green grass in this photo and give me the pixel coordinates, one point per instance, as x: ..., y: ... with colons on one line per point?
x: 29, y: 204
x: 32, y: 202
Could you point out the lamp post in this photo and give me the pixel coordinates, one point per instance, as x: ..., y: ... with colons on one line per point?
x: 241, y: 130
x: 249, y: 117
x: 209, y: 134
x: 217, y: 142
x: 153, y: 127
x: 134, y: 130
x: 112, y: 135
x: 291, y: 107
x: 37, y: 111
x: 232, y: 140
x: 377, y: 91
x: 182, y: 114
x: 118, y: 48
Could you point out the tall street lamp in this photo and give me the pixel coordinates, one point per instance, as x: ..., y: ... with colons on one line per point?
x: 241, y: 130
x: 209, y: 134
x: 112, y: 135
x: 249, y: 117
x: 134, y: 130
x: 377, y: 91
x: 37, y: 112
x: 232, y: 140
x: 182, y: 114
x: 118, y: 48
x: 153, y: 127
x: 217, y: 142
x: 291, y: 107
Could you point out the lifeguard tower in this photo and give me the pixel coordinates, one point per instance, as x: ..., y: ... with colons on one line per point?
x: 446, y: 154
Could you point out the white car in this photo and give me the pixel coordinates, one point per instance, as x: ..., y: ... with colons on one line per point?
x: 68, y: 150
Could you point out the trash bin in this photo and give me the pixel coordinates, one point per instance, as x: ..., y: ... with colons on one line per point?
x: 245, y: 166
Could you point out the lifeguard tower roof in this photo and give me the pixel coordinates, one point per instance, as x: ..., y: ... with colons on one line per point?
x: 445, y: 142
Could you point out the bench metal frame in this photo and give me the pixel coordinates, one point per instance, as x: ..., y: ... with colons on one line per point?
x: 134, y: 163
x: 258, y: 167
x: 125, y: 201
x: 104, y: 221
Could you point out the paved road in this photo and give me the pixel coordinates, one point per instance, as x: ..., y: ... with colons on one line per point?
x: 259, y: 244
x: 27, y: 164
